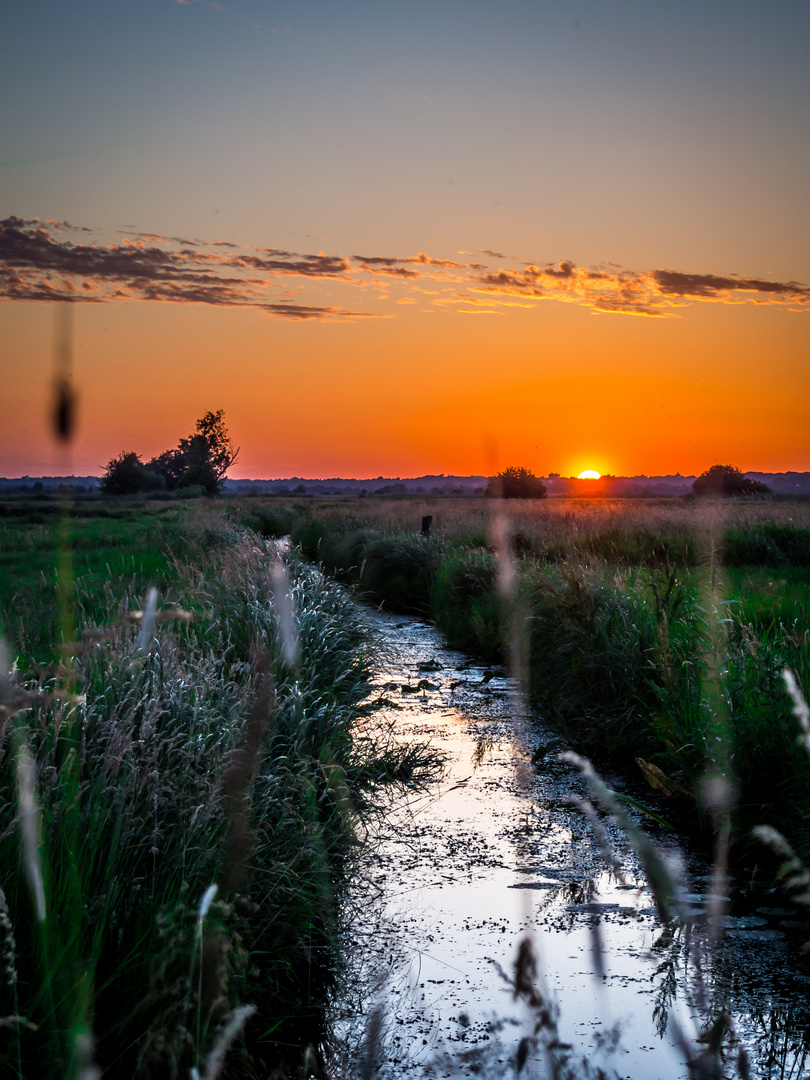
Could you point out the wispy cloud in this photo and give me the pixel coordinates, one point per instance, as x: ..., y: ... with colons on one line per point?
x: 711, y: 286
x: 39, y: 263
x: 398, y: 266
x: 55, y: 260
x: 495, y: 254
x: 389, y: 268
x: 651, y: 292
x: 302, y: 311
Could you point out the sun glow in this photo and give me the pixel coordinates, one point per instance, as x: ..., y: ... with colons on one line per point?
x: 589, y: 474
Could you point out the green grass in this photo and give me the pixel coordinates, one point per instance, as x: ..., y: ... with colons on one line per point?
x: 146, y: 771
x: 465, y: 604
x: 766, y: 597
x: 200, y: 757
x: 127, y: 551
x: 621, y: 547
x: 768, y: 544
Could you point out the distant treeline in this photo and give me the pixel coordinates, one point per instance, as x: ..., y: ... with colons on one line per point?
x: 788, y: 483
x: 791, y: 483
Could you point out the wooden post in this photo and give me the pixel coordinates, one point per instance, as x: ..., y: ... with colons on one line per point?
x: 427, y: 521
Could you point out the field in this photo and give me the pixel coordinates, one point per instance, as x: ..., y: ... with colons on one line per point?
x: 184, y: 770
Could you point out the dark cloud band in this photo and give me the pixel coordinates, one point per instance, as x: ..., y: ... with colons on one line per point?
x: 36, y: 264
x: 53, y: 260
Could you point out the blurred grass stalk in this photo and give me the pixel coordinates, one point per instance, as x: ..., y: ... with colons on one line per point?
x: 62, y: 951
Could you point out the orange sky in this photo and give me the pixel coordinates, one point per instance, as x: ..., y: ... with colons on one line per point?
x: 403, y: 240
x: 555, y: 387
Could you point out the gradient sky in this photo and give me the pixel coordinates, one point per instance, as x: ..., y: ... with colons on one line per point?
x: 395, y: 239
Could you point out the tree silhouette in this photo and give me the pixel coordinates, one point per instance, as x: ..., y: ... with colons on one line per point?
x: 201, y: 459
x: 221, y: 452
x: 727, y: 480
x: 515, y: 482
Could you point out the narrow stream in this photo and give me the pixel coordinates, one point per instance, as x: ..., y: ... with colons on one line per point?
x: 495, y: 853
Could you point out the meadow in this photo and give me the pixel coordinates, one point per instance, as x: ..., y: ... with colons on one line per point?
x: 653, y: 633
x: 186, y: 749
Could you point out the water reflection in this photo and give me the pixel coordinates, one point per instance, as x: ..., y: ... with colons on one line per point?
x: 497, y: 853
x: 715, y: 981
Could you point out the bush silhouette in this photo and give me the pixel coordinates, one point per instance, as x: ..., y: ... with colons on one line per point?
x: 127, y: 475
x: 727, y: 480
x: 515, y: 482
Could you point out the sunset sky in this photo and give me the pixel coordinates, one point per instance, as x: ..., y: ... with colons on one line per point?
x: 406, y: 238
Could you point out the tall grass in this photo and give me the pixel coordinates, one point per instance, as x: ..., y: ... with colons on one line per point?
x: 558, y: 521
x: 178, y: 797
x: 630, y: 646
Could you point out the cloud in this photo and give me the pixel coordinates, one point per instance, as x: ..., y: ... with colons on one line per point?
x: 709, y: 286
x: 66, y: 225
x: 392, y: 271
x: 653, y: 292
x: 426, y: 260
x: 156, y: 238
x: 494, y: 254
x: 53, y: 260
x: 37, y: 264
x: 286, y: 262
x: 376, y: 263
x: 302, y: 311
x: 376, y: 260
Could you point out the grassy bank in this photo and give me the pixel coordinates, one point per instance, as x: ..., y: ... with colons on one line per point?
x: 653, y: 633
x: 180, y: 794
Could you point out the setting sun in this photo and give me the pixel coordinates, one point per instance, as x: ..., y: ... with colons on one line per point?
x: 589, y: 474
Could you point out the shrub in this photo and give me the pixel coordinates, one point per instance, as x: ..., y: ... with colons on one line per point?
x: 343, y: 553
x: 602, y: 659
x: 272, y: 522
x: 727, y: 480
x: 192, y: 491
x: 515, y: 482
x: 307, y: 533
x: 127, y: 475
x: 400, y: 571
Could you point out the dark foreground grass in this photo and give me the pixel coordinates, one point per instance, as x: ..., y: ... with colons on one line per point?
x: 659, y: 652
x: 179, y: 798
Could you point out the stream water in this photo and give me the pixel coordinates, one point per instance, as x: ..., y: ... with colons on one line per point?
x: 494, y: 854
